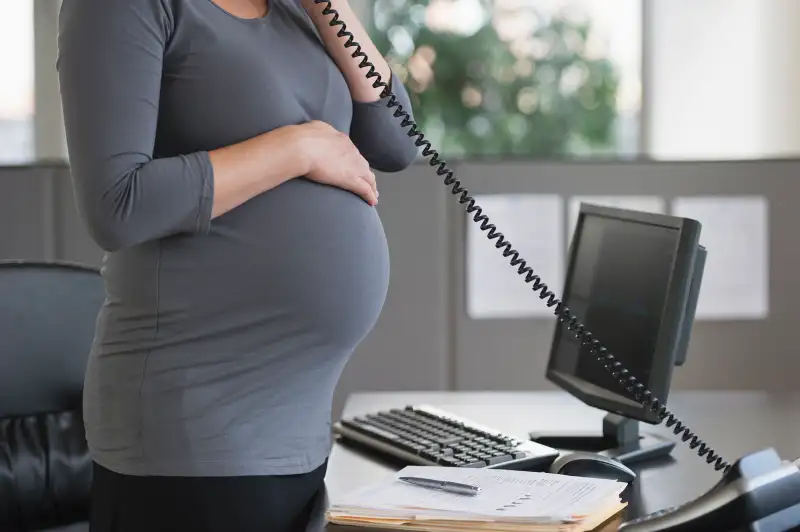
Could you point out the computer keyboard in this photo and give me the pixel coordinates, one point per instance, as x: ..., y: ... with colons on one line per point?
x: 424, y: 435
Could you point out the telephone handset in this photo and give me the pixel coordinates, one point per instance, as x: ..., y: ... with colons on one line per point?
x: 738, y: 478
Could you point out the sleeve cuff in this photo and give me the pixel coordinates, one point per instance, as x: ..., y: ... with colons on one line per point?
x: 380, y: 102
x: 377, y: 131
x: 203, y: 222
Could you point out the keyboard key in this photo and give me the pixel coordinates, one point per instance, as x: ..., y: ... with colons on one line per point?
x: 500, y: 458
x: 388, y: 428
x: 429, y: 454
x: 409, y: 446
x: 447, y: 440
x: 369, y: 429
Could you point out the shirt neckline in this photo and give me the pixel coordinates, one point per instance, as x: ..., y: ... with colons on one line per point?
x: 270, y: 8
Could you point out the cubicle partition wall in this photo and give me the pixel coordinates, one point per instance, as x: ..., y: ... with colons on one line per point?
x: 432, y: 335
x: 38, y: 219
x: 27, y: 211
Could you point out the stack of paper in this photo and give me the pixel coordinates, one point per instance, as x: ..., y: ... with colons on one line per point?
x: 508, y: 501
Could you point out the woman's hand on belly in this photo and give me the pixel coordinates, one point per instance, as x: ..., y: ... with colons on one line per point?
x: 333, y: 159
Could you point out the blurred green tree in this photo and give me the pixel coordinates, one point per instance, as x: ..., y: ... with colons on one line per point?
x: 478, y: 94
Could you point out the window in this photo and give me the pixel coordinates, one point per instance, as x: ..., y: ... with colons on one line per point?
x: 535, y: 78
x: 723, y: 87
x: 17, y: 87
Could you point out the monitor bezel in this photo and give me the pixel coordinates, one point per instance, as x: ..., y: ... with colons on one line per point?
x: 672, y: 316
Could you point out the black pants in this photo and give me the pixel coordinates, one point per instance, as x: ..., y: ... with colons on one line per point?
x: 122, y: 503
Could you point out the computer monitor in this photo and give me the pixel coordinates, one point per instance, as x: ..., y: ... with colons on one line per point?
x: 633, y: 279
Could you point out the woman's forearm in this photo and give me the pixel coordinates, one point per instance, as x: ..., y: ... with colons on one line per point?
x: 361, y: 88
x: 247, y: 169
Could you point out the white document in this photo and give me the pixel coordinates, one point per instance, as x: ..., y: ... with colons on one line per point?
x: 534, y: 225
x: 654, y: 204
x: 736, y: 234
x: 505, y: 495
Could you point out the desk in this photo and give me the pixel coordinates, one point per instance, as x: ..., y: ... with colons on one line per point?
x: 734, y: 423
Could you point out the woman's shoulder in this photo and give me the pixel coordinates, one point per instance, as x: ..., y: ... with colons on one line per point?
x: 109, y: 12
x: 157, y: 21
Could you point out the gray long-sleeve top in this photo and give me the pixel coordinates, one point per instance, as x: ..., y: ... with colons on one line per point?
x: 220, y: 342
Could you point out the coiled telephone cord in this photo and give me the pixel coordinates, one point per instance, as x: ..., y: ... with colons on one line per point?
x: 636, y: 389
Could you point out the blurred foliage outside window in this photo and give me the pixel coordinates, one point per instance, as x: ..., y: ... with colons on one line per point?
x: 530, y: 78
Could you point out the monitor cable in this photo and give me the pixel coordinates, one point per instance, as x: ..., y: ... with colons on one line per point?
x: 636, y: 389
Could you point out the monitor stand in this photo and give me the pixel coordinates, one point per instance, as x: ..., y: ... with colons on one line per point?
x: 620, y: 439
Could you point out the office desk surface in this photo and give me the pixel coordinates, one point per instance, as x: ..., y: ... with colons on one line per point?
x: 734, y: 423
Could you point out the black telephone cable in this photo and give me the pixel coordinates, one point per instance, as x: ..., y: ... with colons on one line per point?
x: 636, y: 389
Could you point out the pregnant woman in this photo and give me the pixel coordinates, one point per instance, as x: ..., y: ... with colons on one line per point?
x: 221, y: 154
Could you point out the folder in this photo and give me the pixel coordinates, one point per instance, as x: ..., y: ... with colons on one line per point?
x: 508, y: 501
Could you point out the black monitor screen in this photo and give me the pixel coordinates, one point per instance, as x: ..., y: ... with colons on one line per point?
x: 618, y: 287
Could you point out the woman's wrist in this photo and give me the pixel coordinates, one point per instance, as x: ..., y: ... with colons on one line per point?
x: 320, y: 19
x: 315, y: 9
x: 286, y: 146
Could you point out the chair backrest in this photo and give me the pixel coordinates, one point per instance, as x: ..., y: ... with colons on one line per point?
x: 47, y: 322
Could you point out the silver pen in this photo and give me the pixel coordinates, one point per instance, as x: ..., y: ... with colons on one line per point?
x: 442, y: 485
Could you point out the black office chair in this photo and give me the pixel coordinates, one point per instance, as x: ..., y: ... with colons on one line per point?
x: 47, y: 322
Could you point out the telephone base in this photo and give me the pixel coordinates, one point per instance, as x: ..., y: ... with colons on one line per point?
x: 620, y: 439
x: 786, y: 520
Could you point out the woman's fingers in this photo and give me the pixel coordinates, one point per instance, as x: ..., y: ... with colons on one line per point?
x: 367, y: 175
x: 364, y: 188
x: 370, y: 178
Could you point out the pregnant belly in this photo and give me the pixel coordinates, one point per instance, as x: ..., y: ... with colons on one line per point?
x: 301, y: 259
